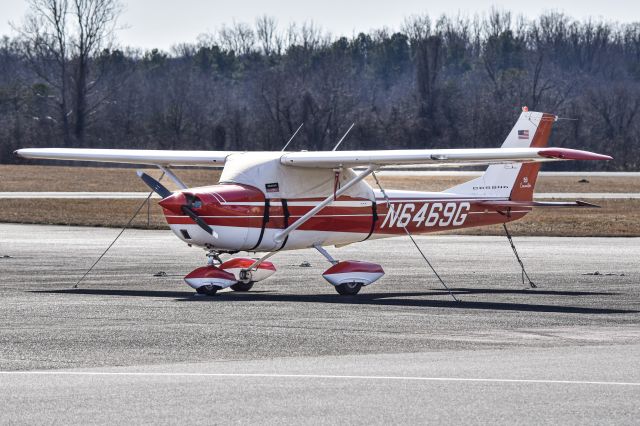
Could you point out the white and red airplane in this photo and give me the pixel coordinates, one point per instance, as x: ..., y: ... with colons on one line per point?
x: 273, y: 201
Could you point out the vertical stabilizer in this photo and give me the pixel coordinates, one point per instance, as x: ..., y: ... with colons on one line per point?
x: 514, y: 181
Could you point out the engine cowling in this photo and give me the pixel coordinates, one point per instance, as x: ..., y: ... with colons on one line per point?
x: 237, y: 265
x: 353, y: 271
x: 234, y: 213
x: 210, y: 275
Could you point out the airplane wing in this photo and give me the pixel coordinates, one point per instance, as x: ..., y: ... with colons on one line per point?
x: 130, y: 156
x: 438, y: 158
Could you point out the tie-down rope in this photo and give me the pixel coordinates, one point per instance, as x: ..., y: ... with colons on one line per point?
x: 384, y: 193
x: 118, y: 236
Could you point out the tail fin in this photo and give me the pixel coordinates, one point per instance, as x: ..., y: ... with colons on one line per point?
x: 514, y: 181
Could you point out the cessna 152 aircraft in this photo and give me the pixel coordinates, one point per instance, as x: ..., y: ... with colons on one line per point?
x: 273, y: 201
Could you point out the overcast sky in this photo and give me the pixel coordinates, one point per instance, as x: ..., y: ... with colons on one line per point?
x: 162, y: 23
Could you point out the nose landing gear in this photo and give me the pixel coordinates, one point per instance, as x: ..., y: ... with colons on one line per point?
x: 234, y: 273
x: 209, y: 279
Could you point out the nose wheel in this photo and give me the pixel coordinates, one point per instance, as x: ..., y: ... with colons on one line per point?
x: 348, y: 289
x: 239, y: 274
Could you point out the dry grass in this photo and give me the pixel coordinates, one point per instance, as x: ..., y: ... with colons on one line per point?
x: 102, y: 179
x: 110, y: 213
x: 615, y: 218
x: 544, y: 183
x: 92, y: 179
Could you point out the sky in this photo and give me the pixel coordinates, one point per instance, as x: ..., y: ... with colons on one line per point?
x: 163, y: 23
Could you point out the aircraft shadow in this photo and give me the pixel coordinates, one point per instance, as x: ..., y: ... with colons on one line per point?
x: 374, y: 299
x: 179, y: 295
x: 527, y: 290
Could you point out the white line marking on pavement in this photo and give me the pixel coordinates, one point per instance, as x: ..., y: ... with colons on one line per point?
x: 313, y: 376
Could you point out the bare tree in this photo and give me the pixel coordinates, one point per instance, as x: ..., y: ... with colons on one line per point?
x: 61, y: 38
x: 267, y: 32
x: 239, y: 37
x: 445, y: 82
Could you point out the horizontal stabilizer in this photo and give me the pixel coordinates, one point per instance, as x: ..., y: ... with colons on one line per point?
x: 513, y: 204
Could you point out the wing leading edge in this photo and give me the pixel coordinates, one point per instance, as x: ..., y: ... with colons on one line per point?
x: 130, y: 156
x: 437, y: 158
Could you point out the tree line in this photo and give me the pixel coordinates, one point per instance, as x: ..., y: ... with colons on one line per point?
x: 449, y: 82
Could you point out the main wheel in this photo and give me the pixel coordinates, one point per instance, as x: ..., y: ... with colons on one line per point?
x: 207, y: 289
x: 348, y: 289
x: 240, y: 286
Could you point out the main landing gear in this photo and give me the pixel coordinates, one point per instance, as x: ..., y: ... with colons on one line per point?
x: 208, y: 289
x: 348, y: 289
x: 349, y: 276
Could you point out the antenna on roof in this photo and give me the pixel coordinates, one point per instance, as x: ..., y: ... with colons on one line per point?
x: 345, y: 135
x: 293, y: 136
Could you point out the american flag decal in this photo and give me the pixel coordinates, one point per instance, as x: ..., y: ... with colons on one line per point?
x: 523, y: 134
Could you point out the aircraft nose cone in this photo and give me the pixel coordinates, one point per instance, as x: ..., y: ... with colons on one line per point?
x: 174, y: 202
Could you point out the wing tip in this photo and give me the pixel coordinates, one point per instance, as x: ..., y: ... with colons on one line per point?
x: 20, y: 152
x: 572, y: 154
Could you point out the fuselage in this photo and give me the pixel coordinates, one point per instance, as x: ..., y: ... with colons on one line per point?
x: 243, y: 219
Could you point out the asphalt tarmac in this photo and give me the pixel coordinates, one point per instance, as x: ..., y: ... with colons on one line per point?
x: 128, y: 346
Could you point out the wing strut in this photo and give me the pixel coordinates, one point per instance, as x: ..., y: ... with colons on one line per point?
x: 295, y: 225
x: 167, y: 170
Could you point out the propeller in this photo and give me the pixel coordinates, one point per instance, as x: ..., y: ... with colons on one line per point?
x: 156, y: 186
x: 169, y: 198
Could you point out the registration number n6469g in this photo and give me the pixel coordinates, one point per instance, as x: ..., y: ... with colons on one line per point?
x: 426, y: 215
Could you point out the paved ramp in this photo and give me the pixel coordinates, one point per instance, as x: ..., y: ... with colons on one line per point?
x: 131, y: 347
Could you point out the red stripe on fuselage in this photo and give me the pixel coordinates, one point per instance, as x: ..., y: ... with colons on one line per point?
x: 419, y: 216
